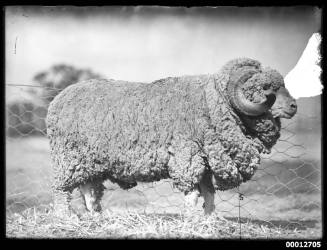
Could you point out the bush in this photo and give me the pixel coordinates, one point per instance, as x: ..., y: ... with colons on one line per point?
x: 60, y: 76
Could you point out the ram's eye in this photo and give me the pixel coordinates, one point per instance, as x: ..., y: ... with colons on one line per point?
x: 265, y: 87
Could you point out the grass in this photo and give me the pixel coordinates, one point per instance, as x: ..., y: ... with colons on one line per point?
x: 133, y: 225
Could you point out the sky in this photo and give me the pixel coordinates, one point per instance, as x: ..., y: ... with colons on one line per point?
x: 144, y: 44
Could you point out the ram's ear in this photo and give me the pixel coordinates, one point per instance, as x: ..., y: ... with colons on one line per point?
x: 238, y: 99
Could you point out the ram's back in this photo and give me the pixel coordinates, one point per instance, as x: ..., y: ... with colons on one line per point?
x: 114, y: 109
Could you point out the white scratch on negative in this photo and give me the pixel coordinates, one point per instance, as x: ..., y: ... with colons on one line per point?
x: 15, y: 44
x: 304, y: 79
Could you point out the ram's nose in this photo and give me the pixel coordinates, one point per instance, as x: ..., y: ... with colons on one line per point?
x: 293, y: 107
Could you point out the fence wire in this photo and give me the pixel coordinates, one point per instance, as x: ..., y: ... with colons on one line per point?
x: 284, y: 193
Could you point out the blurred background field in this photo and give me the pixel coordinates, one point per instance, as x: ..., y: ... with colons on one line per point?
x: 51, y: 48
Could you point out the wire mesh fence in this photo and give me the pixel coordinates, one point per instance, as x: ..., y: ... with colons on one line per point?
x: 285, y: 192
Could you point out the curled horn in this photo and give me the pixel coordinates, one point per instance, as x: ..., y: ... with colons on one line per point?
x: 238, y: 99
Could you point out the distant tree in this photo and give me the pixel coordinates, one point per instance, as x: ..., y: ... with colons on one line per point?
x: 26, y: 109
x: 58, y: 77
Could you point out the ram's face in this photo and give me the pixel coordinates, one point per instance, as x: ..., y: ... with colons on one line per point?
x: 253, y: 93
x: 285, y: 105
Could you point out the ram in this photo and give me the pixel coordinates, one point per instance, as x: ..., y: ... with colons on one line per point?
x: 204, y: 132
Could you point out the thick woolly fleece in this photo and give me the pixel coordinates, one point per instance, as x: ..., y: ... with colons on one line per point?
x: 178, y: 127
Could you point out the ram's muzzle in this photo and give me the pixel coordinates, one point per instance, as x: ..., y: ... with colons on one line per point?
x: 285, y: 105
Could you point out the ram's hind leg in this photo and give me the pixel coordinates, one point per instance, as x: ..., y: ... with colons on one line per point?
x: 61, y: 200
x: 92, y: 193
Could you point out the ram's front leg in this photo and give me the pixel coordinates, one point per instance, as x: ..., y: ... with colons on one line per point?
x: 207, y: 191
x: 192, y: 175
x: 191, y: 198
x: 204, y: 189
x: 186, y: 168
